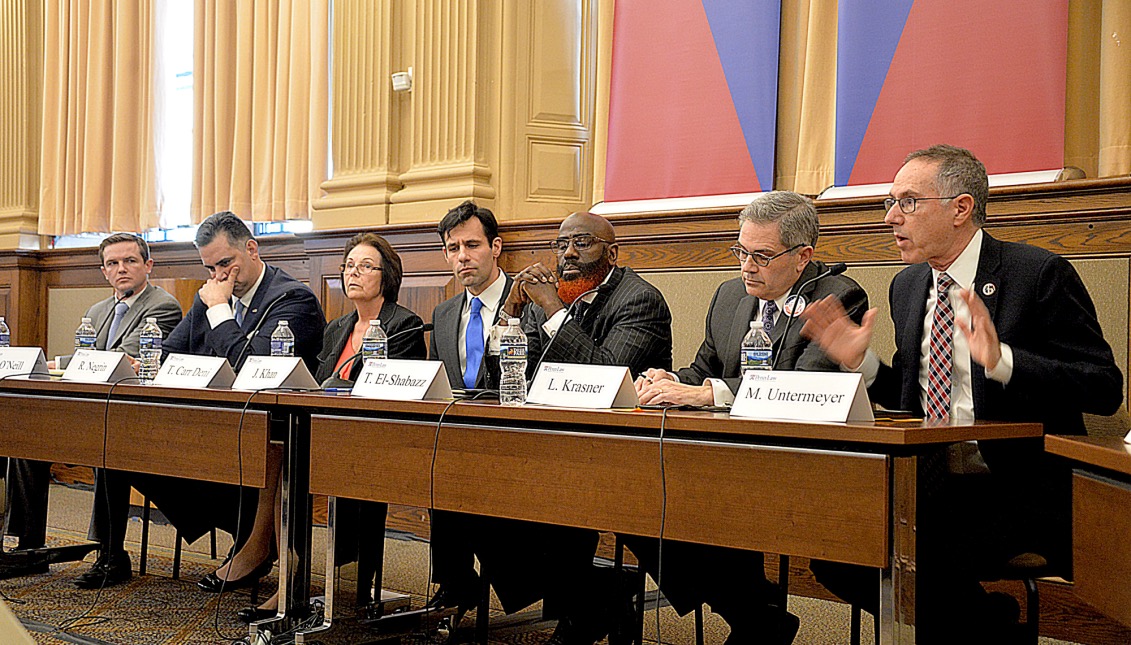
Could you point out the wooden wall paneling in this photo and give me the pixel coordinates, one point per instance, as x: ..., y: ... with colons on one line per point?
x: 1101, y: 549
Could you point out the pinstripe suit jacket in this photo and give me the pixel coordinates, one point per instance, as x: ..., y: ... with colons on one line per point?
x: 627, y: 324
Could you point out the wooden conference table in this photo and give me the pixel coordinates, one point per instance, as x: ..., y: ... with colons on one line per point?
x: 842, y: 492
x: 1101, y: 520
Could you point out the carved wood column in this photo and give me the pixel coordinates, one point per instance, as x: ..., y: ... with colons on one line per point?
x: 21, y: 86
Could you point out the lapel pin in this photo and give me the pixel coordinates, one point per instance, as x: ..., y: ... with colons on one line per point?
x: 988, y: 289
x: 794, y: 305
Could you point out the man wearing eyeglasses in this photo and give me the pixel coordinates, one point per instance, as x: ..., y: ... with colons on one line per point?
x: 984, y: 329
x: 594, y: 312
x: 125, y: 265
x: 776, y: 240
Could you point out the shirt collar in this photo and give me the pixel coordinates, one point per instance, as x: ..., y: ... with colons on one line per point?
x: 137, y: 294
x: 250, y: 295
x: 490, y: 297
x: 590, y: 297
x: 965, y: 267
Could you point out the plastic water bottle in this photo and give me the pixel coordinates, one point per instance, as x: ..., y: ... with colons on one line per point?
x: 375, y: 343
x: 150, y: 353
x: 757, y: 350
x: 85, y: 335
x: 512, y: 364
x: 283, y: 340
x: 5, y: 334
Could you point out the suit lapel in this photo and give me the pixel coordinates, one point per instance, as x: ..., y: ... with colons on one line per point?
x: 740, y: 326
x: 989, y: 265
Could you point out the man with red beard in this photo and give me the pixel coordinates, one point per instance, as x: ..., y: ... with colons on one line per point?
x: 596, y: 313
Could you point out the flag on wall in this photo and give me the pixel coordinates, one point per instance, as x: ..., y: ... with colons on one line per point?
x: 693, y: 101
x: 982, y: 74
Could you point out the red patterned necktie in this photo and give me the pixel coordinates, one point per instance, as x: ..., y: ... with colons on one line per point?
x: 941, y: 358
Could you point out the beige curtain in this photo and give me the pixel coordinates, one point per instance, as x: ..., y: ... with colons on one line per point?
x: 1097, y: 134
x: 261, y: 95
x: 97, y: 168
x: 806, y: 129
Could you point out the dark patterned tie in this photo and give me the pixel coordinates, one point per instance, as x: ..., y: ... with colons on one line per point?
x: 769, y: 310
x: 941, y: 358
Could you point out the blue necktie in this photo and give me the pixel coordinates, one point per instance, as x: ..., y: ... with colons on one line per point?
x: 473, y: 345
x: 240, y: 308
x: 120, y: 310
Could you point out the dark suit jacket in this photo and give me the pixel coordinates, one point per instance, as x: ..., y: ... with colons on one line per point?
x: 394, y: 319
x: 1062, y: 367
x: 153, y: 302
x: 627, y: 324
x: 300, y: 309
x: 728, y: 322
x: 445, y: 335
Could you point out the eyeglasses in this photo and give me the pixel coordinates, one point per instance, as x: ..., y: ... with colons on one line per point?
x: 760, y: 259
x: 907, y: 204
x: 365, y: 268
x: 582, y: 242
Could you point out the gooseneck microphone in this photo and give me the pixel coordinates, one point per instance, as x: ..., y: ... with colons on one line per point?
x: 832, y: 269
x: 336, y: 381
x: 258, y: 325
x: 126, y: 294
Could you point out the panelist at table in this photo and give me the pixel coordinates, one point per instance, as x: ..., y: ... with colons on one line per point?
x: 242, y: 295
x: 593, y: 312
x: 776, y: 240
x: 126, y: 265
x: 984, y: 330
x: 371, y: 274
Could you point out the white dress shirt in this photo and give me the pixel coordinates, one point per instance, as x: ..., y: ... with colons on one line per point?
x: 492, y: 299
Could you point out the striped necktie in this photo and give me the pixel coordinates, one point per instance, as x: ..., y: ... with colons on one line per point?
x: 941, y: 357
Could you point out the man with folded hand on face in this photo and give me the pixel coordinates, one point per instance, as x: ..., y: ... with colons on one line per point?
x: 595, y: 313
x: 776, y: 239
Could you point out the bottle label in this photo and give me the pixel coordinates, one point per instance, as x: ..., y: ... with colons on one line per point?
x: 512, y: 352
x: 85, y: 342
x: 757, y: 359
x: 5, y: 340
x: 374, y: 349
x: 152, y: 343
x: 282, y: 347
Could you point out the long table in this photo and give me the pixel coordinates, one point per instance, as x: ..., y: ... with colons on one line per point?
x: 1101, y: 520
x: 842, y: 492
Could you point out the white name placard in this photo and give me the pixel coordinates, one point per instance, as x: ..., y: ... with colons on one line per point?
x: 95, y: 366
x: 400, y: 380
x: 802, y: 396
x: 22, y: 360
x: 273, y: 372
x: 1127, y: 439
x: 187, y: 370
x: 571, y: 385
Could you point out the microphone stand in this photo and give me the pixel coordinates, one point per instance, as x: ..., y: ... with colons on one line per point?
x: 835, y: 269
x: 336, y: 381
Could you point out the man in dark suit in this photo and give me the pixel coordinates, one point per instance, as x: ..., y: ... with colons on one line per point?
x: 1028, y: 348
x: 126, y: 265
x: 233, y: 315
x: 594, y: 312
x: 776, y: 240
x: 460, y: 338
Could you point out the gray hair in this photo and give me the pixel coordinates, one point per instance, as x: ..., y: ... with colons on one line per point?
x: 795, y: 215
x: 225, y: 222
x: 959, y: 173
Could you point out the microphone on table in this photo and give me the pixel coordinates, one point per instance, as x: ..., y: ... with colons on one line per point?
x: 335, y: 381
x: 832, y: 269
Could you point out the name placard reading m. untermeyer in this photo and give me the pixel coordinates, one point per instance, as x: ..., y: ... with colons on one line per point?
x: 802, y: 396
x: 571, y: 385
x: 400, y: 380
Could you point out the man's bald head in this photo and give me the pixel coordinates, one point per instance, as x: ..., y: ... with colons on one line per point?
x: 583, y: 222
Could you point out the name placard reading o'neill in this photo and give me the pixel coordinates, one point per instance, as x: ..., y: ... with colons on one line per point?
x: 802, y: 396
x: 572, y: 385
x: 22, y: 361
x: 401, y: 380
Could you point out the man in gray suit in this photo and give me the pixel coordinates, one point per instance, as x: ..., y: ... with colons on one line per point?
x: 119, y: 319
x: 779, y: 277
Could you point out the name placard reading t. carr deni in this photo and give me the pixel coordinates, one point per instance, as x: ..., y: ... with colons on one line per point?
x: 273, y: 372
x: 571, y: 385
x: 187, y: 370
x: 401, y: 380
x: 802, y: 396
x: 22, y: 361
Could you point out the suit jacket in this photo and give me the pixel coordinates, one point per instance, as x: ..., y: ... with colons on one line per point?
x: 153, y: 302
x: 299, y: 308
x: 444, y: 345
x: 628, y: 324
x: 394, y: 319
x: 728, y: 322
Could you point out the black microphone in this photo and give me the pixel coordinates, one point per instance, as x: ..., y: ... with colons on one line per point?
x: 569, y: 314
x: 258, y: 325
x: 126, y: 294
x: 335, y: 381
x: 832, y: 269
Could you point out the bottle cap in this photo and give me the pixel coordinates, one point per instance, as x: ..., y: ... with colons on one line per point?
x: 756, y: 324
x: 374, y: 322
